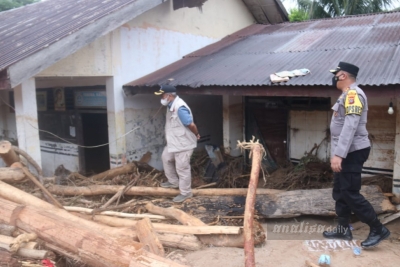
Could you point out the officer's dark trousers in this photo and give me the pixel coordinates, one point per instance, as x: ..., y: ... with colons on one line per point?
x: 347, y: 185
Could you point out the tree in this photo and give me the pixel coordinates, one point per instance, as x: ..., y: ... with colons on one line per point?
x: 334, y: 8
x: 296, y: 14
x: 10, y: 4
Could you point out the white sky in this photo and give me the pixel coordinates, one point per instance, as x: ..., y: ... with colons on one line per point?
x: 289, y: 4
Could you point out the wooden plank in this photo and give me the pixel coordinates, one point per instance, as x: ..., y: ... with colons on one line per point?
x: 148, y: 237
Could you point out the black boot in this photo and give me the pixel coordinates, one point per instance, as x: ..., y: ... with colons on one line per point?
x: 341, y: 231
x: 377, y: 233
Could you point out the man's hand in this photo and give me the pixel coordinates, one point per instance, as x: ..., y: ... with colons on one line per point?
x: 336, y: 163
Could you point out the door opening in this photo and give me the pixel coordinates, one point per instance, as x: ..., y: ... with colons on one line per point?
x: 95, y: 132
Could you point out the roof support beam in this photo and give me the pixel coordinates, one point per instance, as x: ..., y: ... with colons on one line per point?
x: 289, y: 91
x: 34, y: 64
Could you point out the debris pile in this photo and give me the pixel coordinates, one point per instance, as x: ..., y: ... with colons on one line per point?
x: 121, y: 217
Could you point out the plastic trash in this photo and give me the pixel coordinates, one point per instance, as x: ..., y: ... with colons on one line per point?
x: 357, y: 251
x: 324, y: 260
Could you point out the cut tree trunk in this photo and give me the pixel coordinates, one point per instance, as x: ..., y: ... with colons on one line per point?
x: 149, y: 191
x: 287, y: 204
x: 18, y: 196
x: 248, y: 228
x: 148, y: 237
x: 30, y: 253
x: 12, y: 175
x: 8, y: 240
x: 95, y: 248
x: 7, y: 153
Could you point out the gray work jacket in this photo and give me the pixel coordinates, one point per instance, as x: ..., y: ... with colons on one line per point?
x: 348, y: 124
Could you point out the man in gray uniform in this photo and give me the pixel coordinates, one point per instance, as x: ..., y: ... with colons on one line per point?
x: 182, y: 135
x: 350, y: 148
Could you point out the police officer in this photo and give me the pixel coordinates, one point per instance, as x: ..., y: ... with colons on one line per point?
x: 350, y: 148
x: 182, y: 135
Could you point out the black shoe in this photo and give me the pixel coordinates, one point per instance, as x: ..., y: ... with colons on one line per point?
x: 339, y: 232
x: 376, y: 235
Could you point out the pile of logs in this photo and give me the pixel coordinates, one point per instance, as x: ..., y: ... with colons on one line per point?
x: 104, y: 237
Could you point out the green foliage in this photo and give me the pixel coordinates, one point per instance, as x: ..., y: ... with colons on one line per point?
x: 296, y: 14
x: 10, y: 4
x: 333, y: 8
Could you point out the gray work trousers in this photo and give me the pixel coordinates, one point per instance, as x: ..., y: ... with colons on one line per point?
x: 177, y: 169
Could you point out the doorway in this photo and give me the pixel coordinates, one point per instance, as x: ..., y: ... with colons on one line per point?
x: 94, y: 133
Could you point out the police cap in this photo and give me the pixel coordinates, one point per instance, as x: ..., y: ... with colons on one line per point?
x: 347, y: 67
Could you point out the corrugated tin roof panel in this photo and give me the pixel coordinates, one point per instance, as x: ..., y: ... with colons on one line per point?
x: 26, y: 30
x: 369, y: 41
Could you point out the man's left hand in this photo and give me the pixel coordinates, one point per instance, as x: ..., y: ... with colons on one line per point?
x: 336, y: 163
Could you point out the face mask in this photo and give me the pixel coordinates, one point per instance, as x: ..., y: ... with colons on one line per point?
x: 164, y: 101
x: 335, y: 80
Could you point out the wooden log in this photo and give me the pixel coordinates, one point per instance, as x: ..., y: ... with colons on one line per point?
x: 250, y: 260
x: 109, y: 174
x: 149, y: 191
x: 217, y: 240
x: 12, y: 175
x: 148, y: 237
x: 95, y: 248
x: 44, y: 190
x: 30, y: 253
x: 118, y: 214
x: 7, y: 153
x: 18, y: 196
x: 8, y: 240
x: 282, y: 205
x: 168, y: 239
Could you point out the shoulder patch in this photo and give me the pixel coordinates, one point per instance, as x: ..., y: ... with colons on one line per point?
x: 353, y: 103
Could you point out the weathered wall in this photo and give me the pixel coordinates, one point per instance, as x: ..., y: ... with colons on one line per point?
x: 143, y: 113
x: 308, y: 128
x: 54, y: 154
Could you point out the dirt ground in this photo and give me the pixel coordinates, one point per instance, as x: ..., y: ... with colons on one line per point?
x: 293, y: 249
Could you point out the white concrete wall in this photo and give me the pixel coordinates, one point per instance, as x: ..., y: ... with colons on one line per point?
x: 143, y: 113
x: 55, y: 154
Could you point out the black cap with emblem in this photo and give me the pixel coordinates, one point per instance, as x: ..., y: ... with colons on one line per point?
x: 347, y: 67
x: 166, y: 88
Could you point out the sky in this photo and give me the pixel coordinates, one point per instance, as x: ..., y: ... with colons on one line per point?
x: 289, y: 4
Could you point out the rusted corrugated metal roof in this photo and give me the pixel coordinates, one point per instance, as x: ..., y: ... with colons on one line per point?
x: 26, y: 30
x: 248, y: 57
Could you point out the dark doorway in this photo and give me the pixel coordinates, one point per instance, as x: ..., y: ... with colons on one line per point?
x: 95, y: 132
x: 270, y: 118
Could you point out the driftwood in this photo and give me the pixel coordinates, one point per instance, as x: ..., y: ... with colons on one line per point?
x: 148, y: 237
x: 149, y: 191
x: 44, y: 190
x: 217, y: 240
x: 109, y: 174
x: 95, y: 248
x: 10, y: 240
x: 30, y: 253
x: 12, y: 175
x: 20, y: 240
x: 287, y: 204
x: 117, y: 214
x: 7, y: 153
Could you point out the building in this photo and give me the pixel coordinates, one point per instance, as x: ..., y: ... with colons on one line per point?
x: 63, y: 65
